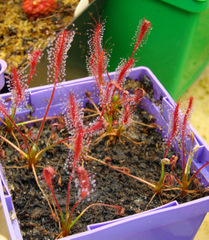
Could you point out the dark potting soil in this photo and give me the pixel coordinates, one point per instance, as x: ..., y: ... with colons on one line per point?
x: 111, y: 187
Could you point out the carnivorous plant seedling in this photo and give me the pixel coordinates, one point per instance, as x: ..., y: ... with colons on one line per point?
x: 174, y: 125
x: 116, y: 103
x: 79, y: 144
x: 179, y: 130
x: 57, y: 58
x: 185, y: 181
x: 67, y: 221
x: 18, y: 86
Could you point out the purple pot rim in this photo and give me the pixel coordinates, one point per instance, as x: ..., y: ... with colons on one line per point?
x: 3, y: 66
x: 152, y: 212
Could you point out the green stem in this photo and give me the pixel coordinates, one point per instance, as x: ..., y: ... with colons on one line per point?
x: 94, y: 204
x: 159, y: 185
x: 36, y: 120
x: 72, y: 210
x: 190, y: 157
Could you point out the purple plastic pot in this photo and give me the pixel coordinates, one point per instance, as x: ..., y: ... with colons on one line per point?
x: 171, y: 221
x: 3, y: 66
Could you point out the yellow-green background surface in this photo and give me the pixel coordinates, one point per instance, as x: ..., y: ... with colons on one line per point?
x: 199, y: 120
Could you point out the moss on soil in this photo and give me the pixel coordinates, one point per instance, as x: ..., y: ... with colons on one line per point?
x: 19, y: 36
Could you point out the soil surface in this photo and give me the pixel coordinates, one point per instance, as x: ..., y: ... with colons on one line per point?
x: 111, y: 187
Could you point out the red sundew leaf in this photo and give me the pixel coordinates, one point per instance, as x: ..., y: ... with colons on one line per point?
x: 92, y: 65
x: 106, y: 99
x: 34, y: 59
x: 144, y: 28
x: 101, y: 68
x: 173, y: 160
x: 184, y: 126
x: 95, y: 41
x: 23, y: 146
x: 187, y: 114
x: 60, y: 47
x: 120, y: 210
x: 98, y: 57
x: 36, y: 55
x: 73, y: 111
x: 136, y: 98
x: 49, y: 173
x: 124, y: 69
x: 16, y: 87
x: 83, y: 181
x: 78, y: 147
x: 57, y: 55
x: 139, y: 94
x: 175, y: 120
x: 175, y: 125
x: 125, y: 116
x: 96, y: 126
x: 142, y: 31
x: 98, y: 38
x: 169, y: 179
x: 120, y: 88
x: 97, y: 68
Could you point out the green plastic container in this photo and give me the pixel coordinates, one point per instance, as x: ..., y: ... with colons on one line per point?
x: 177, y: 48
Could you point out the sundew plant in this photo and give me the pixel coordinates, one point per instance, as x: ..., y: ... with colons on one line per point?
x: 116, y: 104
x: 57, y: 58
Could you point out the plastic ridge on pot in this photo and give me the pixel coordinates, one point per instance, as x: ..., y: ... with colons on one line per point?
x: 173, y: 221
x: 94, y: 226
